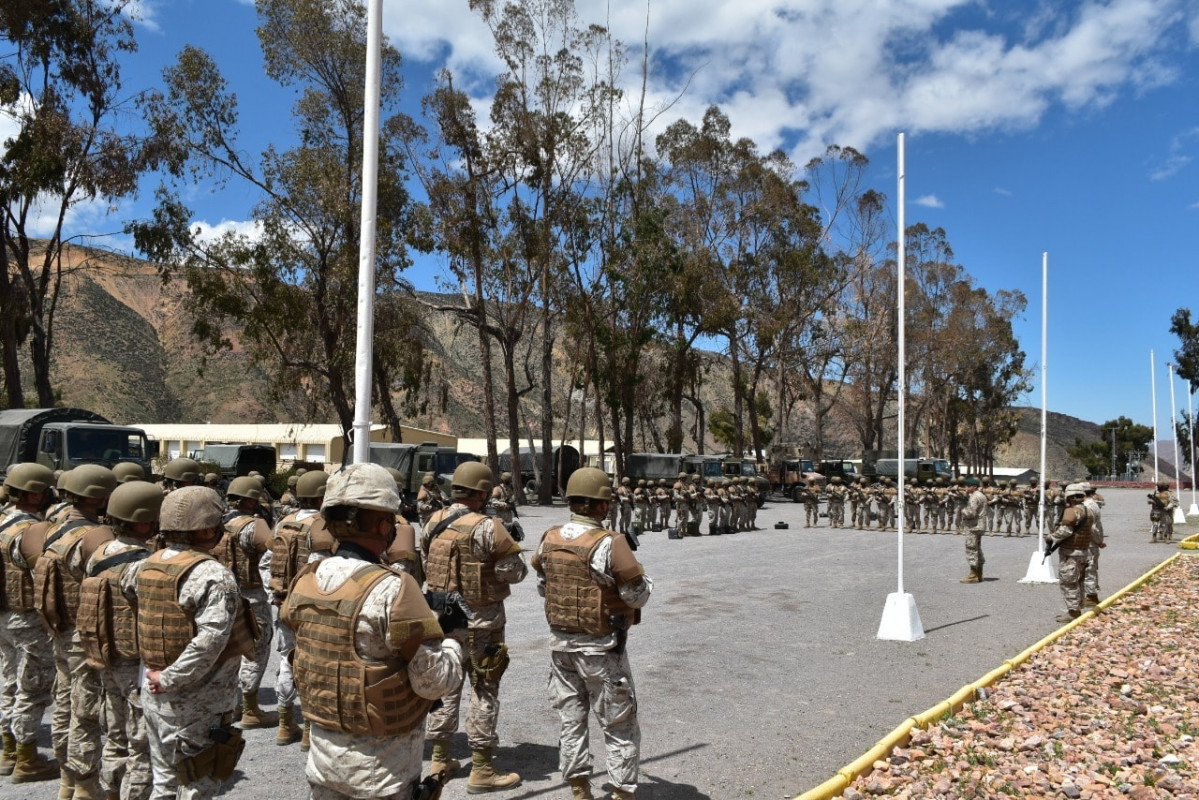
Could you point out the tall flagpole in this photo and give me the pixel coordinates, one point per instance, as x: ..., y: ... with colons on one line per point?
x: 1193, y: 511
x: 1040, y: 569
x: 1179, y: 517
x: 364, y: 349
x: 901, y: 619
x: 1153, y: 381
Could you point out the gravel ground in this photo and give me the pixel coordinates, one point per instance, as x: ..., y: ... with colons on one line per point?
x: 1109, y: 710
x: 757, y: 666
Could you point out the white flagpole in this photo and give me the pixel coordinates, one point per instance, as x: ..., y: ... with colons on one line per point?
x: 1041, y: 569
x: 1179, y: 517
x: 363, y: 366
x: 1193, y: 511
x: 1153, y: 382
x: 901, y: 619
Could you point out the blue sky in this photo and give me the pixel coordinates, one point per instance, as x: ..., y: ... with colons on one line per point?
x: 1066, y: 127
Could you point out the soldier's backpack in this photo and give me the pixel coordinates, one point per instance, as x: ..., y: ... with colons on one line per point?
x: 107, y: 622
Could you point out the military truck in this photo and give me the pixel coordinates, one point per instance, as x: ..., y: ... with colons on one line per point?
x: 237, y: 458
x: 732, y: 467
x: 924, y: 470
x: 565, y: 459
x: 654, y: 467
x: 64, y: 438
x: 413, y: 461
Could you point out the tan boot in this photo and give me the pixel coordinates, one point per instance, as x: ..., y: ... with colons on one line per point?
x: 305, y: 744
x: 66, y: 785
x: 8, y: 755
x: 440, y: 760
x: 32, y: 766
x: 288, y: 729
x: 975, y: 576
x: 1092, y: 600
x: 252, y: 716
x: 621, y: 794
x: 88, y: 789
x: 580, y: 789
x: 484, y: 778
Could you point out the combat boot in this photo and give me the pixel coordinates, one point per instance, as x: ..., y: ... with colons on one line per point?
x: 580, y: 789
x: 66, y: 785
x: 88, y: 788
x: 288, y: 729
x: 1069, y: 616
x: 305, y: 742
x: 484, y: 778
x: 8, y: 755
x: 440, y: 761
x: 32, y: 766
x: 1092, y: 600
x: 621, y: 794
x: 975, y: 576
x: 252, y: 716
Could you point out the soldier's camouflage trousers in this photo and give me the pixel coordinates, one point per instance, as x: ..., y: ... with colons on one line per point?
x: 603, y: 684
x: 29, y: 664
x: 285, y: 685
x: 1091, y: 581
x: 483, y: 709
x: 178, y: 728
x: 249, y: 678
x: 125, y: 764
x: 974, y: 548
x: 78, y: 697
x: 1071, y: 570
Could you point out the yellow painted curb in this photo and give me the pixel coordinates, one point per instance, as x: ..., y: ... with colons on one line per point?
x: 864, y: 764
x: 1190, y: 543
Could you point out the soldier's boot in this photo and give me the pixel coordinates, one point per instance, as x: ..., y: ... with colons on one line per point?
x: 305, y: 742
x: 1092, y: 600
x: 32, y: 766
x: 621, y: 794
x: 975, y: 576
x: 484, y: 778
x: 580, y: 789
x: 252, y: 716
x: 441, y: 761
x: 288, y: 728
x: 1069, y: 616
x: 8, y: 755
x: 88, y: 788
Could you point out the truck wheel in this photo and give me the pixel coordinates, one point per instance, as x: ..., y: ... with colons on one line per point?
x: 796, y: 492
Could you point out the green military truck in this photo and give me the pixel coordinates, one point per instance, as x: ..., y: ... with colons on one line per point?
x: 64, y: 438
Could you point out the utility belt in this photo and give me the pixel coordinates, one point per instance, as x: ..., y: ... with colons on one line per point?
x: 219, y: 760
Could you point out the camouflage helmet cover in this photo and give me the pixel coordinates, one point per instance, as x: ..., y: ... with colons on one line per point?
x: 362, y: 486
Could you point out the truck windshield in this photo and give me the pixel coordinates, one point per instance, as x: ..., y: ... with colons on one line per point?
x: 749, y: 469
x: 712, y: 469
x: 97, y: 444
x: 447, y: 461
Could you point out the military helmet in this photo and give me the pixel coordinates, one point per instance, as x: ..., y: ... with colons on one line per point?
x: 682, y: 476
x: 246, y: 487
x: 428, y: 479
x: 254, y: 474
x: 191, y: 508
x: 395, y: 474
x: 590, y: 483
x: 505, y: 477
x: 127, y: 471
x: 1163, y: 486
x: 1075, y: 490
x: 1032, y: 481
x: 696, y: 478
x: 474, y: 475
x: 625, y: 481
x: 135, y: 501
x: 29, y: 477
x: 60, y: 479
x: 362, y: 486
x: 182, y: 470
x: 91, y: 481
x: 301, y: 470
x: 312, y: 485
x: 292, y: 480
x: 212, y: 477
x: 641, y: 483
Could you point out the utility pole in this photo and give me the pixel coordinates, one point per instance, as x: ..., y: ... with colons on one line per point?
x: 1113, y: 453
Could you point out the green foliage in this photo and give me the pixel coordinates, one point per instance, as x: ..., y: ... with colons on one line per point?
x: 1096, y: 456
x: 1187, y: 354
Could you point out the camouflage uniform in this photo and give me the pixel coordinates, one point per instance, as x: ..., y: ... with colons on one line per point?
x: 811, y: 504
x: 503, y: 501
x: 1094, y: 506
x: 836, y: 503
x: 1162, y: 504
x: 252, y: 537
x: 973, y: 516
x: 696, y: 500
x: 429, y: 499
x: 624, y: 498
x: 490, y: 544
x: 591, y: 670
x: 679, y: 494
x: 640, y: 507
x: 1074, y: 533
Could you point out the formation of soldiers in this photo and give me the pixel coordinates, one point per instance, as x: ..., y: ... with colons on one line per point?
x: 938, y: 507
x: 144, y: 614
x: 731, y: 505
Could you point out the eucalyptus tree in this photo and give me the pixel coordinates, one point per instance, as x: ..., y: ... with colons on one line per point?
x: 290, y: 289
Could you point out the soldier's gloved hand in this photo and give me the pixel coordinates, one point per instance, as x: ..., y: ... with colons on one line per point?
x: 516, y: 531
x: 452, y: 611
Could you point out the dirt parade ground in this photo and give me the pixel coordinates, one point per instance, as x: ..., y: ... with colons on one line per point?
x: 759, y: 674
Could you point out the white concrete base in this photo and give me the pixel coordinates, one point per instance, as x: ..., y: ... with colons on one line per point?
x: 1040, y: 569
x: 901, y: 620
x: 1179, y: 517
x: 1193, y: 511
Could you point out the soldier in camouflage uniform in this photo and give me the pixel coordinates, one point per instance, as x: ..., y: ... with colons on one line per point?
x: 28, y: 653
x: 1032, y: 496
x: 836, y: 503
x: 471, y: 553
x: 192, y: 634
x: 589, y: 667
x: 958, y: 495
x: 679, y: 494
x: 429, y: 498
x: 245, y: 549
x: 810, y: 498
x: 911, y: 505
x: 698, y: 505
x: 973, y: 518
x: 110, y: 640
x: 624, y: 495
x: 991, y: 493
x: 640, y: 507
x: 1162, y: 504
x: 1093, y: 501
x: 885, y: 499
x: 503, y: 500
x: 299, y: 539
x: 369, y: 671
x: 1074, y: 534
x: 58, y: 573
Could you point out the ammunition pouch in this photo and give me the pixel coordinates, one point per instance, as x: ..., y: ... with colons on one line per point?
x: 218, y: 761
x: 492, y: 664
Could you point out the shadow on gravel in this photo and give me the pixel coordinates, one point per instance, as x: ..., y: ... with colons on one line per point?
x: 534, y: 762
x: 960, y: 621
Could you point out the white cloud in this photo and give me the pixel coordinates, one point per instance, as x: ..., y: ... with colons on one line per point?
x: 999, y: 190
x: 144, y: 12
x: 1168, y: 169
x: 929, y: 201
x: 853, y: 72
x: 208, y: 233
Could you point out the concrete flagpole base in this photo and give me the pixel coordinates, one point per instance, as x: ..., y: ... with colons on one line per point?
x: 1193, y: 511
x: 901, y: 620
x: 1040, y: 570
x: 1179, y: 517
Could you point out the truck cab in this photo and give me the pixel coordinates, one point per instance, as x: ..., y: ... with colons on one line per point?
x: 66, y: 445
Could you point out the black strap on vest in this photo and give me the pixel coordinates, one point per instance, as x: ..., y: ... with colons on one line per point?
x: 64, y: 530
x: 446, y: 522
x: 127, y: 557
x: 20, y: 516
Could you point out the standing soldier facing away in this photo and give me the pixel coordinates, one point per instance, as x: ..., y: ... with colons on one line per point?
x: 974, y: 520
x: 192, y: 632
x: 1162, y: 504
x: 471, y: 553
x: 429, y: 498
x: 594, y: 590
x: 1093, y: 501
x: 370, y: 658
x: 1073, y: 536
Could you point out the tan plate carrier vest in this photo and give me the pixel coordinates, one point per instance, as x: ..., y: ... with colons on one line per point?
x: 574, y: 602
x: 338, y: 688
x: 17, y: 594
x: 164, y: 628
x: 55, y: 590
x: 1077, y: 518
x: 292, y: 544
x: 453, y: 567
x: 229, y: 552
x: 107, y: 621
